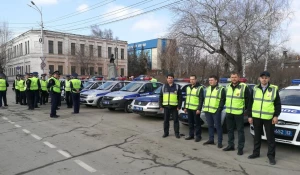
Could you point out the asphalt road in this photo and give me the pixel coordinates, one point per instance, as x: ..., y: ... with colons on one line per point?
x: 116, y: 143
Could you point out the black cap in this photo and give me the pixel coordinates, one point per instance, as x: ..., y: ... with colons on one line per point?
x: 68, y: 76
x: 43, y: 75
x: 56, y: 72
x: 265, y: 73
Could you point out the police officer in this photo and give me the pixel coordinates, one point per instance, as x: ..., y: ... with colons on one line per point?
x: 3, y: 89
x: 193, y: 106
x: 213, y: 106
x: 16, y: 88
x: 68, y: 92
x: 44, y: 90
x: 237, y: 97
x: 30, y: 91
x: 55, y: 89
x: 22, y: 89
x: 76, y: 86
x: 170, y: 101
x: 37, y: 89
x: 263, y: 111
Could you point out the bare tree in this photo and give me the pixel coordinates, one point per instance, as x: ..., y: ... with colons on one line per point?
x: 170, y: 58
x: 5, y: 36
x: 104, y: 34
x: 223, y: 26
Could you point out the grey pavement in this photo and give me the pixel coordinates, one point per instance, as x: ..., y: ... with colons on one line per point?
x: 103, y: 142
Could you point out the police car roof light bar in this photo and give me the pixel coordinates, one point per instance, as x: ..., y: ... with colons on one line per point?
x: 182, y: 80
x: 296, y: 82
x: 227, y: 80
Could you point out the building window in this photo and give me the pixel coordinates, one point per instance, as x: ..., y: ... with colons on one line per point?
x: 60, y: 47
x: 82, y: 71
x: 50, y: 46
x: 82, y: 49
x: 51, y: 68
x: 122, y: 54
x: 99, y: 51
x: 21, y: 50
x: 122, y: 71
x: 61, y: 69
x: 292, y: 66
x: 25, y: 48
x: 73, y: 69
x: 92, y: 71
x: 73, y: 48
x: 116, y: 53
x: 109, y: 52
x: 91, y: 50
x: 100, y: 71
x: 22, y: 70
x: 28, y: 47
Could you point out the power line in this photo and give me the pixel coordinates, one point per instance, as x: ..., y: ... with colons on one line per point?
x: 78, y: 13
x: 87, y: 20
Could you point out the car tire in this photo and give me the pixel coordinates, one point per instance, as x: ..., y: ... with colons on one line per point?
x: 126, y: 109
x: 111, y: 109
x: 99, y: 104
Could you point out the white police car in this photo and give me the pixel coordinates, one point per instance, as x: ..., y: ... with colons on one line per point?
x: 123, y: 98
x: 94, y: 97
x: 92, y: 85
x: 288, y: 128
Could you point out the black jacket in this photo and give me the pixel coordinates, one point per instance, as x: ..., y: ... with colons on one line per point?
x: 201, y: 96
x: 277, y: 102
x: 172, y: 88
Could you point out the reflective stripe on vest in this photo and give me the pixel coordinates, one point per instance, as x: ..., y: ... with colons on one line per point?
x: 67, y: 83
x: 56, y: 87
x: 17, y: 84
x: 192, y: 97
x: 21, y: 85
x: 263, y: 103
x: 235, y: 102
x: 2, y: 85
x: 43, y: 85
x: 34, y: 83
x: 170, y: 98
x: 76, y: 84
x: 212, y: 99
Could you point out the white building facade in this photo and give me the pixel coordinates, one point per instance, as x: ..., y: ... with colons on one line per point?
x: 60, y: 52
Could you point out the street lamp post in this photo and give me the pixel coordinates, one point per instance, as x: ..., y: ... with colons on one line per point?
x: 41, y: 40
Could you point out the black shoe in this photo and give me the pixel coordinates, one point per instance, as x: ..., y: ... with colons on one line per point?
x: 177, y: 136
x: 220, y: 145
x: 253, y: 156
x: 272, y: 161
x: 37, y: 107
x: 189, y: 138
x: 209, y: 142
x: 6, y: 105
x: 229, y: 148
x: 198, y: 139
x: 55, y: 116
x: 69, y: 107
x: 21, y: 104
x: 165, y: 135
x: 17, y: 103
x: 240, y: 152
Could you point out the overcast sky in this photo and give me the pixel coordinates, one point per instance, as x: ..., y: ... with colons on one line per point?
x: 75, y: 16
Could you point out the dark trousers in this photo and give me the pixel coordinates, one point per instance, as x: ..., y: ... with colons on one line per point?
x: 22, y: 98
x: 36, y: 96
x: 76, y: 102
x: 30, y: 99
x: 194, y: 123
x: 214, y: 121
x: 47, y: 97
x: 258, y: 130
x: 59, y: 100
x: 235, y: 121
x: 2, y: 95
x: 4, y: 98
x: 17, y: 92
x: 167, y: 113
x: 69, y: 98
x: 54, y: 103
x: 43, y: 98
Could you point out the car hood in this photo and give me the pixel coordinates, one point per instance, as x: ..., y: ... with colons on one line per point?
x: 290, y: 113
x: 126, y: 95
x: 149, y: 98
x: 96, y: 92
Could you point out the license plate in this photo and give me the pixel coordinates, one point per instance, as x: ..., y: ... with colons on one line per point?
x: 106, y: 102
x: 138, y: 108
x: 283, y: 132
x: 184, y: 116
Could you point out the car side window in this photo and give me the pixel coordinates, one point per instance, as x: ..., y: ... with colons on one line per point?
x: 143, y: 89
x: 95, y: 86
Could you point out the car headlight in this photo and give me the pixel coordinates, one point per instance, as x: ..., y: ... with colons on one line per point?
x: 153, y: 103
x: 92, y: 96
x: 117, y: 98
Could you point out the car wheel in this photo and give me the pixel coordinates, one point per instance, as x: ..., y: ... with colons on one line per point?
x: 99, y: 104
x: 127, y: 104
x: 111, y: 109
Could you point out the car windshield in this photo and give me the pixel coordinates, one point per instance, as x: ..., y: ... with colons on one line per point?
x: 88, y: 85
x: 290, y: 97
x: 157, y: 91
x: 105, y: 86
x: 132, y: 87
